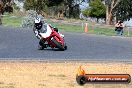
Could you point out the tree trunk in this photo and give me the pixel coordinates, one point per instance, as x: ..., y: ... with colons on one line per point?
x: 109, y: 15
x: 110, y: 6
x: 109, y: 19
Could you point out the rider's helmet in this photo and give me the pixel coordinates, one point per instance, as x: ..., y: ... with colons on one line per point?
x: 38, y: 23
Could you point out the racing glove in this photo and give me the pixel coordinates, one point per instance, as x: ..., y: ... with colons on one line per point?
x: 37, y: 34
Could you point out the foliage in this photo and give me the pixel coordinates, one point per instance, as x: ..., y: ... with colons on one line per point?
x: 40, y: 4
x: 86, y: 12
x: 30, y: 4
x: 10, y: 20
x: 124, y: 10
x: 28, y: 21
x: 51, y: 3
x: 97, y: 9
x: 16, y: 7
x: 5, y: 1
x: 121, y: 9
x: 70, y: 7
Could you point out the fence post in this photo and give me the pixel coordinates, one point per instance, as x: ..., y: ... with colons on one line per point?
x: 82, y: 26
x: 128, y: 32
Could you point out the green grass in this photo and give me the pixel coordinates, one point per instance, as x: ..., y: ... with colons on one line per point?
x: 69, y: 28
x: 91, y: 29
x: 10, y: 20
x: 15, y: 21
x: 103, y: 31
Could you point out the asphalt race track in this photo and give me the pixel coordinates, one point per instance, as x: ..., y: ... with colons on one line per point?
x: 18, y: 43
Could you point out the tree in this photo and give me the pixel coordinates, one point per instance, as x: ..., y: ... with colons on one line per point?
x: 7, y: 6
x: 30, y: 4
x: 1, y: 11
x: 124, y: 10
x: 111, y: 5
x: 37, y: 5
x: 51, y: 3
x: 97, y: 9
x: 6, y: 1
x: 70, y: 7
x: 121, y: 9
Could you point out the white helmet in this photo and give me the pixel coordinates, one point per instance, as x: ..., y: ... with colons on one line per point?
x: 37, y: 20
x: 38, y: 23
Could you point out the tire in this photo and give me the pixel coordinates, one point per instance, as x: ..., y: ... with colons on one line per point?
x: 40, y: 47
x: 81, y: 80
x: 58, y: 44
x: 65, y: 46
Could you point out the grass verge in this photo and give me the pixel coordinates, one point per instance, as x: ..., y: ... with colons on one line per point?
x: 11, y: 20
x: 15, y: 21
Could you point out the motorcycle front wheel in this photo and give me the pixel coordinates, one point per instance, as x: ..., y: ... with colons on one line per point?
x: 58, y: 44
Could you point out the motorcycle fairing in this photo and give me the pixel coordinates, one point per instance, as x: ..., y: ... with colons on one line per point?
x: 47, y: 33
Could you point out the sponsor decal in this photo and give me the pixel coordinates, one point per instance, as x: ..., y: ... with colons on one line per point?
x: 82, y: 78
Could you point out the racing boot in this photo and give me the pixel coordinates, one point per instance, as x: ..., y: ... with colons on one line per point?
x: 41, y: 45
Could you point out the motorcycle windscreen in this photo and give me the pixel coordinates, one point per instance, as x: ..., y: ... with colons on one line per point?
x: 47, y: 33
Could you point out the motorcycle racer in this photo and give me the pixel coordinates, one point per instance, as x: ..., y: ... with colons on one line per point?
x: 40, y: 27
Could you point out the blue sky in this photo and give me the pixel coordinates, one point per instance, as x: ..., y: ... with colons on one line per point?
x: 84, y: 4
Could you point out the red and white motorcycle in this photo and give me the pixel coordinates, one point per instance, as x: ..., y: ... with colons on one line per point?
x: 50, y: 37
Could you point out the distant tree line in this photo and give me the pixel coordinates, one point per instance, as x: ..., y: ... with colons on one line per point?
x: 67, y: 8
x: 110, y: 9
x: 5, y: 6
x: 107, y: 9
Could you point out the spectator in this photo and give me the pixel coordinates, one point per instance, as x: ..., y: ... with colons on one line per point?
x: 119, y: 27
